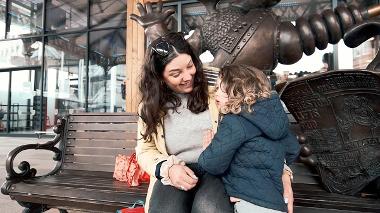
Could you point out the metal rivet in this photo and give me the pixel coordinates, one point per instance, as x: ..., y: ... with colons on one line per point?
x: 13, y: 188
x: 71, y: 126
x: 248, y: 34
x: 67, y: 150
x: 245, y: 23
x: 235, y: 30
x: 244, y: 40
x: 240, y: 27
x: 29, y: 194
x: 69, y: 134
x: 260, y: 17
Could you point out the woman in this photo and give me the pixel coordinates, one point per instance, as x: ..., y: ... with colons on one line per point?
x: 175, y: 112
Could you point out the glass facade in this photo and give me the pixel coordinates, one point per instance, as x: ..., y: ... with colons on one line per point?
x: 59, y: 56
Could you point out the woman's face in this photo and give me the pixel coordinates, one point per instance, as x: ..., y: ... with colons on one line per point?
x: 179, y: 74
x: 221, y: 96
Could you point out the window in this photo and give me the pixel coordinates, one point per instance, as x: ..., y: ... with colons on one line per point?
x: 108, y: 13
x: 25, y: 18
x: 64, y: 15
x: 65, y: 84
x: 107, y: 70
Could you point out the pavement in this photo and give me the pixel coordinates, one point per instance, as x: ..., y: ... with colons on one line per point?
x: 41, y: 160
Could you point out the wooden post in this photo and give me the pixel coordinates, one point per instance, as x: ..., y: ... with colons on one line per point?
x: 135, y: 57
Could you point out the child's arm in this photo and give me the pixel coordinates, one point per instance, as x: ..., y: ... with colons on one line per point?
x: 292, y: 148
x: 216, y: 158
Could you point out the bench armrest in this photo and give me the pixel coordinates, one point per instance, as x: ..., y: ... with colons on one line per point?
x: 24, y: 166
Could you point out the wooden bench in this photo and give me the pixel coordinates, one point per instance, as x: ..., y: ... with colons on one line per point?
x: 82, y: 178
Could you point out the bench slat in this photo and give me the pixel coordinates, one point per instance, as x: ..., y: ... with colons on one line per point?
x: 90, y: 159
x: 102, y: 135
x: 89, y: 167
x: 88, y: 182
x: 103, y: 119
x: 101, y: 143
x: 308, y: 179
x: 97, y: 151
x: 300, y: 168
x: 128, y: 127
x: 80, y: 193
x: 80, y: 173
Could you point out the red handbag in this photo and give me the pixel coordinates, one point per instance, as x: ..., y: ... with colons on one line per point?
x: 128, y: 170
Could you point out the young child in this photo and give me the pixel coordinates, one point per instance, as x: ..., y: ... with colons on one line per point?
x: 252, y: 141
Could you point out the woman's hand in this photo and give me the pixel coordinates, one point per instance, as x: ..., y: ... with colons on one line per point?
x: 148, y: 16
x: 182, y: 177
x: 288, y: 191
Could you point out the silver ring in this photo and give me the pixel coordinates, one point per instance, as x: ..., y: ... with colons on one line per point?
x: 183, y: 188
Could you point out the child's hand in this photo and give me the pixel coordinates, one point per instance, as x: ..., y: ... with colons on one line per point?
x: 208, y: 134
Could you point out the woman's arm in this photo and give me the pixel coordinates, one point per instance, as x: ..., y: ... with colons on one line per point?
x: 288, y: 191
x: 147, y: 153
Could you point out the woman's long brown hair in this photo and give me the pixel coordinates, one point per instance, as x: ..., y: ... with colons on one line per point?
x: 155, y: 95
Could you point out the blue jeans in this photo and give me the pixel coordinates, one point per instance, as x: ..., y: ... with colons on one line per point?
x: 208, y: 196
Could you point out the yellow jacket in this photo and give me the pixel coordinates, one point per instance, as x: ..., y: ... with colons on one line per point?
x: 150, y: 153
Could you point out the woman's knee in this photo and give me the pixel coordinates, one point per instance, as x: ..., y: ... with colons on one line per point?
x: 169, y: 199
x: 211, y: 197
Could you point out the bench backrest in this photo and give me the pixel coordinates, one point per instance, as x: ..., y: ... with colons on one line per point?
x: 93, y: 140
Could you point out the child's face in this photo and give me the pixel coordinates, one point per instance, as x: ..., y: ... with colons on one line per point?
x: 221, y: 96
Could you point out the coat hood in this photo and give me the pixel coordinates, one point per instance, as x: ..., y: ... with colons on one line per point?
x: 269, y: 116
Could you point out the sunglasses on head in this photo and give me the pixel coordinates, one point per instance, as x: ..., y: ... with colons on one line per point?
x: 161, y: 46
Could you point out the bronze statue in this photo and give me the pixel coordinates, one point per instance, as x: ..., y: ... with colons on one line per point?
x: 338, y: 112
x: 250, y: 33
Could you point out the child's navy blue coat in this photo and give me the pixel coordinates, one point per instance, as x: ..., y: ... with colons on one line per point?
x: 249, y: 151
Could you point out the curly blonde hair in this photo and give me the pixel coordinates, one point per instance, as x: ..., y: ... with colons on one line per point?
x: 244, y: 85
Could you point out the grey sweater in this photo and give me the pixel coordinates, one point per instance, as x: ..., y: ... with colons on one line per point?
x: 184, y: 131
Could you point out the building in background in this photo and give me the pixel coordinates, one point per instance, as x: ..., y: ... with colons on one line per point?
x: 59, y: 56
